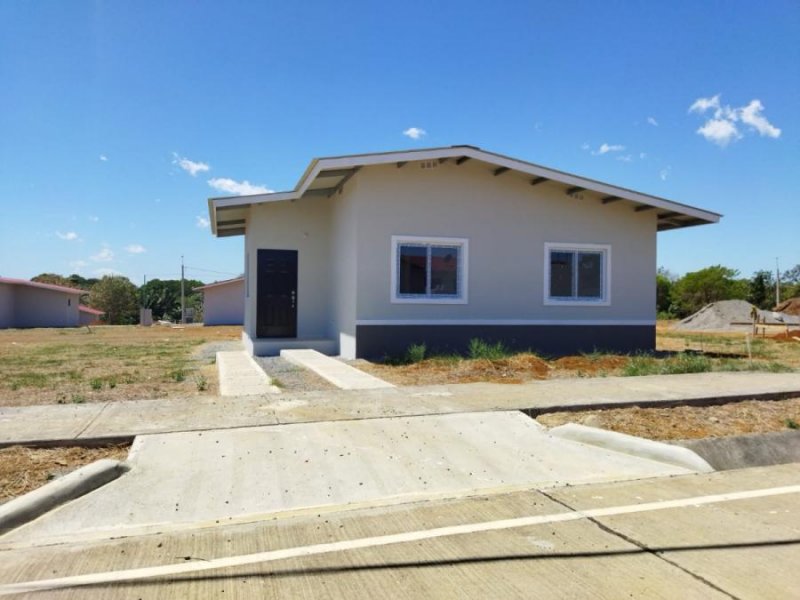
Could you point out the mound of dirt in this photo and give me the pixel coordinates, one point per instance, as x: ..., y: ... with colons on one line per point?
x: 789, y: 307
x: 732, y: 315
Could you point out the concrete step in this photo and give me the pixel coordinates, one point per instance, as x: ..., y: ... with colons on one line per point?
x: 338, y: 373
x: 240, y: 375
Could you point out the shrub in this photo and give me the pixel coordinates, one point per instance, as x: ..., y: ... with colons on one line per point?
x: 202, y: 383
x: 416, y: 353
x: 481, y: 349
x: 96, y: 384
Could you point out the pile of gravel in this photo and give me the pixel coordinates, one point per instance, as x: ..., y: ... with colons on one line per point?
x: 732, y: 315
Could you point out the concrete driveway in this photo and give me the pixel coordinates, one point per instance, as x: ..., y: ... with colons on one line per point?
x: 201, y: 479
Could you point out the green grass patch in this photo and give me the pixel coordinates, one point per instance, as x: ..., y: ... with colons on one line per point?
x: 416, y: 353
x: 479, y: 348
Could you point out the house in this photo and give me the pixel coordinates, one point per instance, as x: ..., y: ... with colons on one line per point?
x: 26, y: 303
x: 223, y: 302
x: 370, y: 253
x: 89, y: 316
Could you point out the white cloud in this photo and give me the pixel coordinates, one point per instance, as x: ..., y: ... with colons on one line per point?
x: 664, y: 173
x: 102, y: 272
x: 751, y: 115
x: 105, y: 255
x: 78, y: 264
x: 652, y: 121
x: 415, y: 133
x: 585, y: 146
x: 701, y: 105
x: 719, y: 131
x: 103, y: 157
x: 190, y: 166
x: 606, y: 148
x: 642, y: 155
x: 238, y: 188
x: 135, y: 249
x: 202, y: 222
x: 625, y: 158
x: 94, y: 219
x: 70, y: 236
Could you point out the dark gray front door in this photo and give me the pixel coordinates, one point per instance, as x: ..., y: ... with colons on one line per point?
x: 276, y: 311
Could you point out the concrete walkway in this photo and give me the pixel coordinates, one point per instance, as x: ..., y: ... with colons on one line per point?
x: 107, y: 421
x: 240, y: 375
x: 338, y: 373
x: 195, y: 479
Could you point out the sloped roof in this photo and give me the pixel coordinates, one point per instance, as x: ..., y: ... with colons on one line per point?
x: 220, y: 283
x: 90, y: 310
x: 46, y: 286
x: 326, y: 176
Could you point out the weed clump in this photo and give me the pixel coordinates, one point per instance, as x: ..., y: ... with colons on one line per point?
x: 478, y: 348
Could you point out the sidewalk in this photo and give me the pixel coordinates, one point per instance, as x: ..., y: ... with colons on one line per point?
x: 105, y: 422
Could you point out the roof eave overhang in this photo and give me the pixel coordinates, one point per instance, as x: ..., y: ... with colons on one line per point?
x: 344, y: 167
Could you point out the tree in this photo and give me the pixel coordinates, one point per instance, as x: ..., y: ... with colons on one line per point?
x: 694, y: 290
x: 762, y: 290
x: 116, y: 296
x: 790, y: 283
x: 163, y: 296
x: 664, y: 282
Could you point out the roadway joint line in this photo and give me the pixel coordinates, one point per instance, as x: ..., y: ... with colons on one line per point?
x: 377, y: 541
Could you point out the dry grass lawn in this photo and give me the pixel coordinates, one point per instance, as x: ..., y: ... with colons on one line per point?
x: 97, y: 364
x: 688, y: 422
x: 25, y: 469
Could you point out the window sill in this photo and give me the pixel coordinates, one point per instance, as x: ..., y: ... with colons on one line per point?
x: 429, y: 300
x: 558, y: 302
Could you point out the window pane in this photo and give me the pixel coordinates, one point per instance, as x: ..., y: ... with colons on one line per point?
x: 413, y: 276
x: 560, y: 274
x: 590, y: 267
x: 444, y: 270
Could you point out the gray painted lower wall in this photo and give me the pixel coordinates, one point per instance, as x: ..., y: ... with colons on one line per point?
x: 377, y: 341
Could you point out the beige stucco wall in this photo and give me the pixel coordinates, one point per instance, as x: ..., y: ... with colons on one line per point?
x: 507, y: 222
x: 344, y: 260
x: 224, y: 304
x: 6, y: 305
x: 38, y: 307
x: 304, y: 226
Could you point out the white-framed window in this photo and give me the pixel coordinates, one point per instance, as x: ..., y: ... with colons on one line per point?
x: 577, y: 274
x: 429, y: 270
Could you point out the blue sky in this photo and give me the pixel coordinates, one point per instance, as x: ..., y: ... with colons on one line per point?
x: 101, y: 102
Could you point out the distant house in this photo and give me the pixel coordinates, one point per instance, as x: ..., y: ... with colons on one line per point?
x: 223, y: 302
x: 371, y: 253
x: 26, y: 303
x: 89, y: 316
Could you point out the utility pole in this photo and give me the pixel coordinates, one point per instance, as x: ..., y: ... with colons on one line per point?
x: 183, y: 296
x: 777, y: 283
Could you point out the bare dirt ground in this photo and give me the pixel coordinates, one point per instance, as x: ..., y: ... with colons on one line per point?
x: 98, y: 364
x: 688, y: 422
x: 25, y: 469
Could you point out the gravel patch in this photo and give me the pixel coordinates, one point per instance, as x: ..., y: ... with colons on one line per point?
x: 291, y: 378
x: 209, y: 351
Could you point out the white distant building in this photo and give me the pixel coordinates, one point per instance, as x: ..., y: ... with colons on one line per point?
x: 223, y: 302
x: 26, y: 303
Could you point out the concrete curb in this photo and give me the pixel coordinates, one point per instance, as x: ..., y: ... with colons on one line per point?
x: 77, y: 483
x: 635, y: 446
x: 744, y: 451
